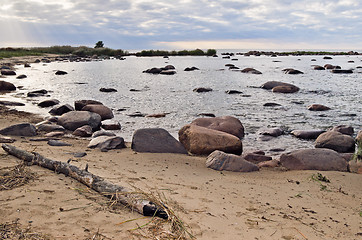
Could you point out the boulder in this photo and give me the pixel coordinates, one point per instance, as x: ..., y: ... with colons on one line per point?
x: 203, y: 141
x: 111, y: 125
x: 6, y: 86
x: 233, y: 92
x: 345, y: 71
x: 8, y: 72
x: 60, y: 110
x: 274, y: 132
x: 251, y: 71
x: 336, y: 141
x: 22, y: 76
x: 202, y: 90
x: 37, y: 93
x: 153, y: 70
x: 107, y: 90
x: 45, y: 127
x: 168, y: 72
x: 75, y: 119
x: 188, y: 69
x: 48, y: 103
x: 27, y: 65
x: 79, y: 104
x: 103, y: 133
x: 22, y: 129
x: 59, y: 72
x: 292, y: 71
x: 227, y: 124
x: 344, y: 129
x: 83, y: 131
x: 272, y: 84
x: 271, y: 104
x: 285, y: 89
x: 156, y: 140
x: 103, y: 111
x: 220, y: 161
x: 318, y: 107
x: 314, y: 159
x: 106, y: 143
x: 318, y: 68
x: 307, y: 134
x: 330, y: 66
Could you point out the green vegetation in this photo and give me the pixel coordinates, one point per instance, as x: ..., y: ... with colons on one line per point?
x: 196, y: 52
x: 357, y: 156
x: 99, y: 50
x: 81, y: 51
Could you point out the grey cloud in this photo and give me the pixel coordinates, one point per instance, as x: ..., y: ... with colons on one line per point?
x: 178, y: 20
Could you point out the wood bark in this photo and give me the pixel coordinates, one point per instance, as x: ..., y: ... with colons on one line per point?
x: 129, y: 198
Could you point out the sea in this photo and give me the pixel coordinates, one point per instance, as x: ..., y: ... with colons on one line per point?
x: 144, y: 93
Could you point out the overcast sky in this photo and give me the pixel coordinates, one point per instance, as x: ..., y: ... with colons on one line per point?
x: 183, y: 24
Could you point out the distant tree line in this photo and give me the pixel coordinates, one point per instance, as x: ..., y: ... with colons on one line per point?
x: 98, y: 50
x: 81, y: 51
x: 196, y: 52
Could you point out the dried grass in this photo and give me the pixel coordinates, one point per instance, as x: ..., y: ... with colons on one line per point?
x: 14, y: 231
x: 161, y: 229
x: 13, y: 177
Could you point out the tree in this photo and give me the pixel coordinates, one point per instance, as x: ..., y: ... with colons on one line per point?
x: 99, y: 44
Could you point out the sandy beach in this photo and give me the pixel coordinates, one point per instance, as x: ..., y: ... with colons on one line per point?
x: 268, y: 204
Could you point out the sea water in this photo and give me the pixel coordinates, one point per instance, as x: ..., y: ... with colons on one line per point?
x: 174, y: 95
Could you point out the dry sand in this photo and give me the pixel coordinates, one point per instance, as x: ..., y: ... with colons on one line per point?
x: 269, y: 204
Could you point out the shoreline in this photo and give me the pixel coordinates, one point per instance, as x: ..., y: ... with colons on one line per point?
x: 268, y: 204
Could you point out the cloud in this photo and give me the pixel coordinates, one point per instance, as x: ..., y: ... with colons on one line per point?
x: 149, y: 23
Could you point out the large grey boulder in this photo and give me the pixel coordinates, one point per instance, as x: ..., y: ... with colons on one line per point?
x: 22, y: 129
x: 75, y: 119
x: 156, y: 140
x: 106, y: 143
x: 336, y: 141
x: 220, y: 161
x: 321, y: 159
x: 203, y: 141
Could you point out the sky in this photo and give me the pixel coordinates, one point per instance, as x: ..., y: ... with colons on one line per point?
x: 183, y: 24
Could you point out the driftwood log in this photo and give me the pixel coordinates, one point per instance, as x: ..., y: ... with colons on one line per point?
x: 135, y: 201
